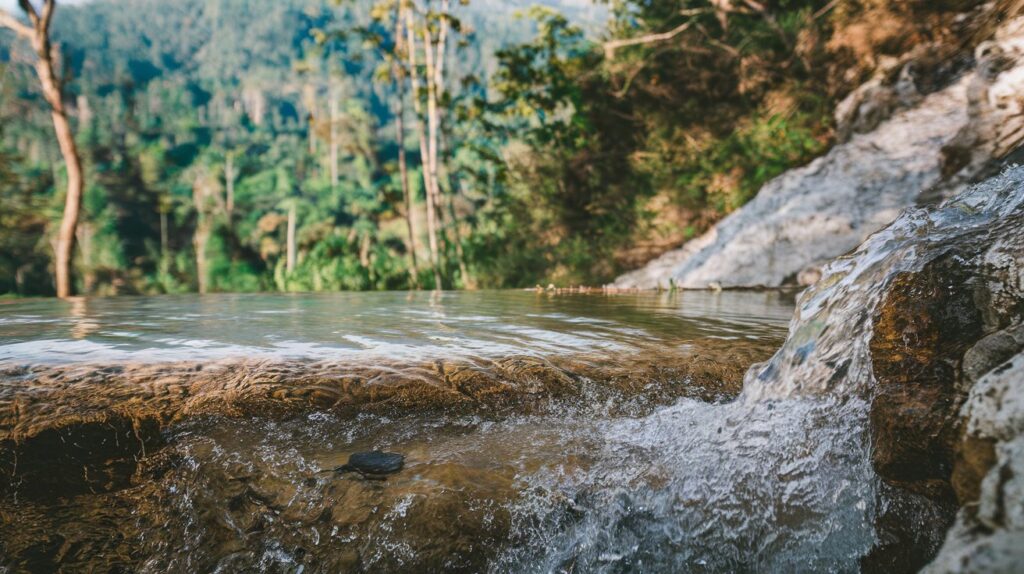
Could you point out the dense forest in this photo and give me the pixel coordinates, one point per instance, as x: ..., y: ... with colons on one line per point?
x: 307, y: 145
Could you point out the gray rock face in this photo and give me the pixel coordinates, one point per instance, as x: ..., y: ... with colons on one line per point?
x: 812, y: 214
x: 987, y: 535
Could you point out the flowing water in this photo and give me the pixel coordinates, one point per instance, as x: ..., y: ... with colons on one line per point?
x: 146, y: 433
x: 542, y: 433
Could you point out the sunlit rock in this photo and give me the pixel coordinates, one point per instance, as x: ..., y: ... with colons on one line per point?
x: 920, y: 153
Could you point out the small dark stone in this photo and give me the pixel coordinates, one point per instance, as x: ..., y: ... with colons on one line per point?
x: 374, y: 463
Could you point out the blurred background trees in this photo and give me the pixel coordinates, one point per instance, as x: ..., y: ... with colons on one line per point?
x: 294, y: 145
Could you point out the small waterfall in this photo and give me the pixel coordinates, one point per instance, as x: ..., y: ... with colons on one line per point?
x: 826, y: 351
x: 780, y: 479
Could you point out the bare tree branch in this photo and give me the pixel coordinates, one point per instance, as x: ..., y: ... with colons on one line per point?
x: 49, y: 6
x: 825, y: 9
x: 30, y: 11
x: 7, y: 20
x: 611, y: 47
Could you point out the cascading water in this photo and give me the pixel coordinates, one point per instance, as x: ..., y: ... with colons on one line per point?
x: 780, y: 479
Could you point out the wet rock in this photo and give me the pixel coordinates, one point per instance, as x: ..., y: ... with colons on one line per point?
x: 83, y: 456
x: 988, y: 531
x: 95, y: 459
x: 373, y: 464
x: 991, y: 352
x: 810, y: 215
x: 927, y: 322
x: 34, y: 400
x: 944, y: 417
x: 447, y: 517
x: 995, y: 108
x: 808, y: 276
x: 906, y: 327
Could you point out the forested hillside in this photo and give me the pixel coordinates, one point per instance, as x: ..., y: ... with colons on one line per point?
x: 237, y: 145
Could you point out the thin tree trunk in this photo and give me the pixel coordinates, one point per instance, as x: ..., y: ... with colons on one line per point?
x: 39, y: 35
x: 311, y: 134
x: 424, y: 150
x: 199, y: 242
x: 403, y: 171
x: 442, y: 47
x: 432, y: 114
x: 229, y: 182
x: 467, y: 280
x: 438, y: 63
x: 72, y: 199
x: 290, y: 266
x: 334, y: 138
x: 204, y: 227
x: 439, y: 90
x: 364, y: 254
x: 163, y: 233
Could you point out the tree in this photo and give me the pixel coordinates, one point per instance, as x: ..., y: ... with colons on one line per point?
x: 429, y: 175
x: 47, y: 55
x: 398, y: 78
x: 207, y: 202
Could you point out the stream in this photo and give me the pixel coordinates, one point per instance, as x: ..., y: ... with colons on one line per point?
x: 576, y: 462
x: 542, y: 432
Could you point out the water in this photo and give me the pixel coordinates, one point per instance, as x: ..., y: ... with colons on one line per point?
x: 367, y: 326
x: 542, y: 433
x: 182, y: 459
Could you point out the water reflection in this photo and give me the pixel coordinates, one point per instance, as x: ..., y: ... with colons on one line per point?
x: 82, y: 325
x: 399, y: 325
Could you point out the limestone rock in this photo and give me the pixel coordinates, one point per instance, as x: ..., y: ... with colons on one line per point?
x: 988, y: 533
x: 810, y: 215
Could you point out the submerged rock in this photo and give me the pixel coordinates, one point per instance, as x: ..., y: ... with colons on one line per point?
x: 812, y: 214
x: 373, y: 464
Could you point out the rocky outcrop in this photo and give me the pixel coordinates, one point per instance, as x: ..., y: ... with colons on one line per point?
x: 947, y: 416
x: 944, y: 345
x: 929, y: 147
x: 990, y: 526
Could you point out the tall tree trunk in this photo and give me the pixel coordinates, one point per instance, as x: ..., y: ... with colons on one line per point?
x: 72, y: 198
x: 428, y: 182
x: 435, y: 60
x: 403, y: 173
x: 204, y: 228
x: 453, y: 184
x: 438, y: 137
x: 334, y: 137
x: 290, y: 265
x: 199, y: 241
x: 163, y: 234
x: 432, y: 114
x: 229, y: 183
x: 47, y: 54
x: 311, y: 135
x: 403, y: 170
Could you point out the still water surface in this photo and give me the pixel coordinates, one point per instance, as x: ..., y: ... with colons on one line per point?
x: 393, y: 325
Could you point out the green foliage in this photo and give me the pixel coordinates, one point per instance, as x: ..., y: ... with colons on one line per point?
x: 23, y: 220
x: 557, y: 150
x: 586, y: 137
